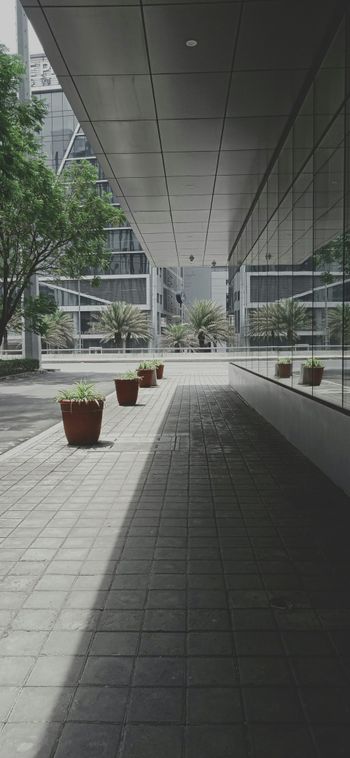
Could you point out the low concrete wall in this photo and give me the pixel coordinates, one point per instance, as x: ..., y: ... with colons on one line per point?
x: 320, y: 432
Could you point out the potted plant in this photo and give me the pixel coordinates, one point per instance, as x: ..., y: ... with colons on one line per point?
x: 127, y: 388
x: 147, y: 372
x: 82, y: 409
x: 312, y: 372
x: 283, y: 368
x: 159, y: 365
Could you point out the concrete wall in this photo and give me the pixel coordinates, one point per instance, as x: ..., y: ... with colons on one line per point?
x: 219, y: 286
x: 197, y: 283
x: 320, y: 432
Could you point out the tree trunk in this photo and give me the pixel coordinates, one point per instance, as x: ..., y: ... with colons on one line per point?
x: 201, y: 339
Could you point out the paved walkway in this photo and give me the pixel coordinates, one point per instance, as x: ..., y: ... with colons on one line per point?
x: 180, y: 591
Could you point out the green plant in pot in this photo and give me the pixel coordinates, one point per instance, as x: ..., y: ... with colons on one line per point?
x: 127, y: 388
x: 82, y: 409
x: 312, y: 372
x: 147, y: 372
x: 283, y: 368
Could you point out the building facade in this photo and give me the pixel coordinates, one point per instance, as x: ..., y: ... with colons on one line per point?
x: 131, y: 277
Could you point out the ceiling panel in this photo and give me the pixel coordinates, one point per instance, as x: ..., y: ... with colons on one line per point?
x: 190, y: 202
x: 190, y: 134
x: 190, y: 163
x: 237, y: 183
x: 280, y: 35
x: 252, y: 133
x: 264, y: 93
x: 128, y: 136
x: 244, y: 161
x: 116, y: 97
x: 190, y: 185
x: 152, y: 185
x: 148, y: 203
x: 100, y: 40
x: 228, y: 202
x: 137, y: 164
x: 186, y: 95
x: 168, y: 28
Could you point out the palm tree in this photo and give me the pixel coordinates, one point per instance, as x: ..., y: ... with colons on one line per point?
x: 208, y: 322
x: 177, y: 336
x: 57, y: 330
x: 280, y: 320
x: 121, y: 322
x: 291, y: 318
x: 339, y: 323
x: 262, y: 321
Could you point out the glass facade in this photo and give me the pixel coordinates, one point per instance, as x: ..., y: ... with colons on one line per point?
x: 58, y: 127
x: 290, y: 269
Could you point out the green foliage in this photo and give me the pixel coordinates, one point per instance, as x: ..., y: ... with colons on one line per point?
x: 17, y: 366
x: 284, y: 361
x: 313, y: 363
x: 280, y: 320
x: 57, y: 329
x: 208, y: 322
x: 131, y: 376
x: 120, y: 322
x: 158, y: 363
x: 20, y: 124
x: 177, y: 336
x: 339, y: 323
x: 81, y: 392
x: 145, y: 365
x: 335, y: 254
x: 49, y: 225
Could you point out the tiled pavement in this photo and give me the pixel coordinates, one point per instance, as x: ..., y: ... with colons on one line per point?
x: 181, y: 591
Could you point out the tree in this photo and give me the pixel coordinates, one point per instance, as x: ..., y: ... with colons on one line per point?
x: 30, y: 314
x: 49, y: 225
x: 208, y: 322
x: 57, y: 329
x: 120, y: 322
x: 177, y: 336
x: 332, y: 256
x: 339, y: 323
x: 280, y: 320
x: 262, y: 321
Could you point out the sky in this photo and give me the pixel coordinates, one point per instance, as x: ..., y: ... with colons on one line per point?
x: 8, y: 33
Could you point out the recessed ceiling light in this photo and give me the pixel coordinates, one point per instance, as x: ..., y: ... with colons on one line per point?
x: 191, y: 43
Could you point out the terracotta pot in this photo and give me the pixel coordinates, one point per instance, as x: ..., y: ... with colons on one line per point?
x: 313, y: 376
x: 160, y: 371
x: 127, y: 390
x: 82, y: 421
x: 284, y: 370
x: 147, y: 377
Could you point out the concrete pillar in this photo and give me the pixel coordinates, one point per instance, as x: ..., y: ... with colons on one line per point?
x: 31, y: 342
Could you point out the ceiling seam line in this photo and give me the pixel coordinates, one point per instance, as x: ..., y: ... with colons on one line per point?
x: 229, y: 84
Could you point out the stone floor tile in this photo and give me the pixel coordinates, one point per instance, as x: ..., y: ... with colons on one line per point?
x: 42, y: 704
x: 149, y: 741
x: 166, y: 702
x: 101, y: 704
x: 31, y: 740
x: 107, y: 671
x: 216, y: 742
x: 88, y: 741
x: 214, y: 705
x: 159, y: 672
x: 55, y: 671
